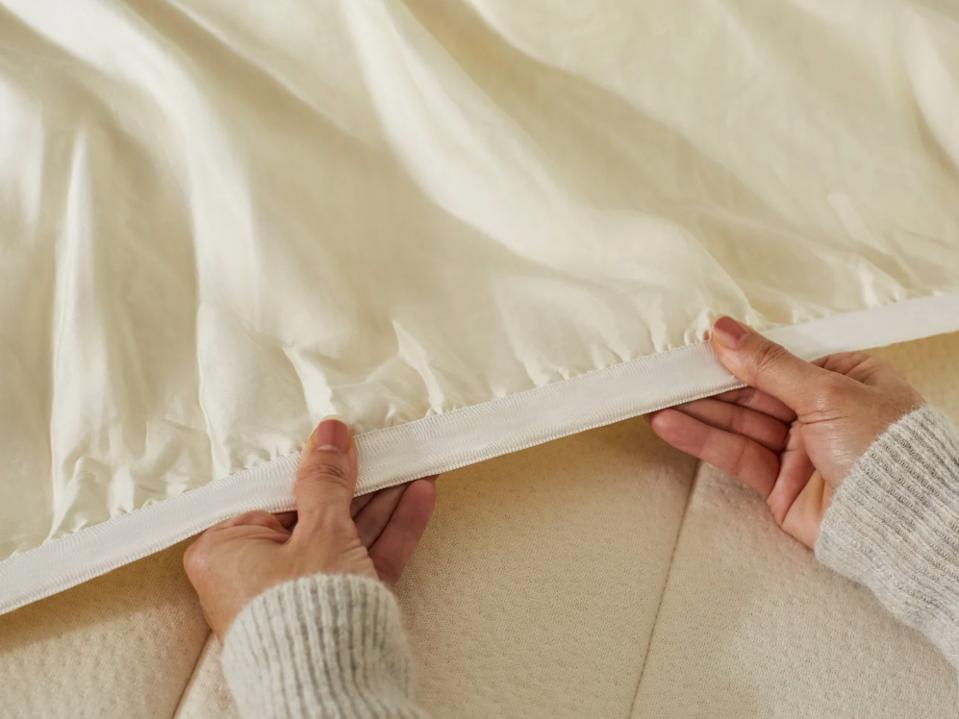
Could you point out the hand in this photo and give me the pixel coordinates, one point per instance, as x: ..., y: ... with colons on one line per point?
x: 797, y: 430
x: 329, y: 533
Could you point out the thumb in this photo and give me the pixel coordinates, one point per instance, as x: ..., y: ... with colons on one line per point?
x: 761, y: 363
x: 326, y: 477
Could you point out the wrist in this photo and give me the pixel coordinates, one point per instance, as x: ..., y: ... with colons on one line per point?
x: 344, y: 626
x: 894, y: 522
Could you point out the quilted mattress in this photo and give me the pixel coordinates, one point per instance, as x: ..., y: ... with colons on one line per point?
x: 466, y: 227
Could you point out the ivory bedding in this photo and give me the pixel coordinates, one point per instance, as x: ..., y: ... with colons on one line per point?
x: 466, y: 227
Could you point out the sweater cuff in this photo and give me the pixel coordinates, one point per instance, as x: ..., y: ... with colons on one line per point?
x: 316, y: 646
x: 894, y: 525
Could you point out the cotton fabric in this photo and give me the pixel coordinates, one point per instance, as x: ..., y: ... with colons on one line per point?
x: 226, y: 220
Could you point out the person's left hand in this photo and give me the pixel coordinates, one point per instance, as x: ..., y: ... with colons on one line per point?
x: 330, y: 533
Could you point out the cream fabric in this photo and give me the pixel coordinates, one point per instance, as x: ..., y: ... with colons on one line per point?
x: 122, y: 645
x: 537, y: 590
x: 226, y: 219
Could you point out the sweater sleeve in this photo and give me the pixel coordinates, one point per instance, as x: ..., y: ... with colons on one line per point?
x: 894, y: 525
x: 320, y: 646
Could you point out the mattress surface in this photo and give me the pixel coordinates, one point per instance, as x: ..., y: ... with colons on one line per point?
x: 467, y: 227
x: 601, y: 575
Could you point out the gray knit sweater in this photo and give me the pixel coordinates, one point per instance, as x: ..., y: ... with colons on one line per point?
x: 334, y: 645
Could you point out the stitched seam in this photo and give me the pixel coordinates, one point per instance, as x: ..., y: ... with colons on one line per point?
x: 662, y: 595
x: 189, y: 682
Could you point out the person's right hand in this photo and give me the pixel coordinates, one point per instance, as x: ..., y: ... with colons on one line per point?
x: 331, y: 532
x: 797, y: 430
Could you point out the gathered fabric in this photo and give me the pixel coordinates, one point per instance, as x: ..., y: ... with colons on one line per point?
x: 465, y: 227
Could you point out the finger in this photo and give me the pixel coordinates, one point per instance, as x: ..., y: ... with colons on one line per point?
x: 356, y: 506
x: 766, y: 430
x: 842, y: 362
x: 253, y: 519
x: 760, y: 362
x: 746, y: 460
x: 760, y: 401
x: 286, y: 519
x: 371, y: 521
x: 795, y: 470
x: 861, y: 367
x: 326, y: 477
x: 394, y: 547
x: 805, y: 515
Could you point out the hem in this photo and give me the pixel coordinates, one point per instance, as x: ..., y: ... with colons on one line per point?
x: 440, y: 443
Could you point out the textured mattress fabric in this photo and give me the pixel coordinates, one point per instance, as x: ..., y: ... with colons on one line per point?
x: 467, y: 227
x: 602, y: 575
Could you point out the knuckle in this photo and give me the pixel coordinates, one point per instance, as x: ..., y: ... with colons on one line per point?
x: 738, y: 464
x: 325, y: 468
x: 259, y: 517
x: 881, y: 365
x: 245, y: 518
x: 768, y: 356
x: 331, y: 530
x: 738, y: 421
x: 196, y: 559
x: 863, y: 364
x: 337, y: 528
x: 225, y: 524
x: 888, y: 372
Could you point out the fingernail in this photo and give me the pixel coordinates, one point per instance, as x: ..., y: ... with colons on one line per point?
x: 332, y: 434
x: 728, y: 332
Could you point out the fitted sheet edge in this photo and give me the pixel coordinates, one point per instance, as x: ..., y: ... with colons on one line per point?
x: 444, y: 442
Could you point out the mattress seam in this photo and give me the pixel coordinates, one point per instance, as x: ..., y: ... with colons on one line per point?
x: 694, y: 482
x: 193, y: 672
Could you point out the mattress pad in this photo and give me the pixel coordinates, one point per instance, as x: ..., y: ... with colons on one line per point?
x: 466, y: 227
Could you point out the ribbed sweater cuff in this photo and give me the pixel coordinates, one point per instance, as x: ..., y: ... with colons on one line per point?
x: 894, y: 525
x: 320, y: 646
